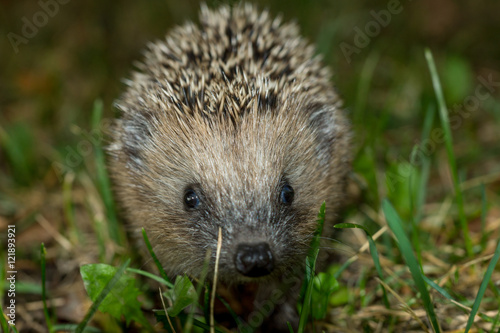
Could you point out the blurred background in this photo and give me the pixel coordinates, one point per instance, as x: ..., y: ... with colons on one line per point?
x: 58, y: 57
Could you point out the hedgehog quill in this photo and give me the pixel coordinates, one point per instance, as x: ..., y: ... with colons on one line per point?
x: 231, y: 124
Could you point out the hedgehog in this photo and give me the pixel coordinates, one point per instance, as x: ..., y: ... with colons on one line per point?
x: 232, y: 125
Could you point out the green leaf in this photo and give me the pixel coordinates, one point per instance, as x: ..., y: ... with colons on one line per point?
x: 121, y: 300
x: 183, y: 295
x: 340, y: 296
x: 324, y: 284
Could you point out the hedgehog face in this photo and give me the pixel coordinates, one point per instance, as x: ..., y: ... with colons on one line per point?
x: 261, y: 181
x: 253, y: 191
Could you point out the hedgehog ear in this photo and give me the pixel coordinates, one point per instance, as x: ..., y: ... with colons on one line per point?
x: 136, y: 135
x: 323, y: 122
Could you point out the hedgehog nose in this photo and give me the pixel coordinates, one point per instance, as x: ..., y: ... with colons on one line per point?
x: 254, y: 260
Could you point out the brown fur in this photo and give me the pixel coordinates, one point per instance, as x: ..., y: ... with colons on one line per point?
x: 232, y: 109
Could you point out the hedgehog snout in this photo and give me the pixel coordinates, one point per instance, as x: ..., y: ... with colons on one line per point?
x: 254, y: 260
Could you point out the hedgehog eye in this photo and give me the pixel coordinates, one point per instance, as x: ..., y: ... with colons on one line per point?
x: 191, y: 199
x: 287, y: 194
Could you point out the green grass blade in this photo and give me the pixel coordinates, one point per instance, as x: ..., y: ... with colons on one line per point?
x: 199, y: 289
x: 482, y: 288
x: 3, y: 322
x: 396, y: 225
x: 438, y: 288
x: 26, y: 287
x: 43, y: 253
x: 206, y: 327
x: 422, y: 182
x: 9, y: 327
x: 206, y: 302
x: 343, y: 268
x: 374, y: 254
x: 364, y: 86
x: 69, y: 210
x: 445, y: 124
x: 103, y: 181
x: 17, y: 142
x: 155, y: 258
x: 414, y: 235
x: 426, y: 165
x: 72, y: 328
x: 484, y: 209
x: 496, y: 323
x: 151, y: 276
x: 319, y: 230
x: 102, y: 296
x: 231, y: 311
x: 310, y: 267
